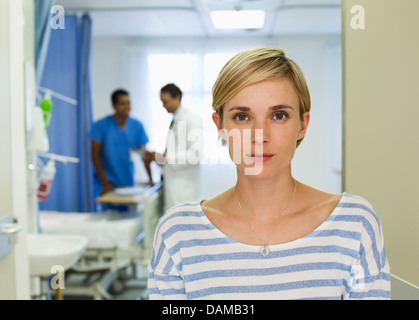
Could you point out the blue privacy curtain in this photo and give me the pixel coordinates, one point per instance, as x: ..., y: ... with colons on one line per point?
x: 67, y: 71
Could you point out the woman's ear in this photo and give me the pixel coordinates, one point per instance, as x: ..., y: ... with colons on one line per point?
x: 217, y: 120
x: 219, y: 124
x: 304, y: 125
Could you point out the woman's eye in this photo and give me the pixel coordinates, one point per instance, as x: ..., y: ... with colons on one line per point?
x: 241, y: 117
x: 280, y: 116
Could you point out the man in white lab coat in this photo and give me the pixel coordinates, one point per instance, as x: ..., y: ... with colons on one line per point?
x: 183, y: 151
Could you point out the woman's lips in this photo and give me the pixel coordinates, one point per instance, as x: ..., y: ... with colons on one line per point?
x: 261, y: 157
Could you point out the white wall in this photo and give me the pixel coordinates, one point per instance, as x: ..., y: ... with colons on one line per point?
x: 381, y: 153
x: 14, y: 266
x: 107, y: 61
x: 317, y: 161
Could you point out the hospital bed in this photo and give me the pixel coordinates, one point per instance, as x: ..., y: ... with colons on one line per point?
x: 117, y: 242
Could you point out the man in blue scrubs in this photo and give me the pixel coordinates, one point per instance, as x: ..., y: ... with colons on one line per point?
x: 114, y: 137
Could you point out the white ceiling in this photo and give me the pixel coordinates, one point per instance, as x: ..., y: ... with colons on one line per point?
x: 157, y: 18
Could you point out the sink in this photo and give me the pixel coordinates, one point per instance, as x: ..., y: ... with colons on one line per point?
x: 47, y: 250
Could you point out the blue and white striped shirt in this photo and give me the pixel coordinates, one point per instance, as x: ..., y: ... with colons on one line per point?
x: 344, y: 258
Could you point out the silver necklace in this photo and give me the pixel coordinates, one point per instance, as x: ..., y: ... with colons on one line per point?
x: 264, y: 249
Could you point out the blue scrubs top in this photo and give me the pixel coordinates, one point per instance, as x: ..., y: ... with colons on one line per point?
x: 116, y: 145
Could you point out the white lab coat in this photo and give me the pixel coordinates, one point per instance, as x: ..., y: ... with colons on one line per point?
x: 184, y: 150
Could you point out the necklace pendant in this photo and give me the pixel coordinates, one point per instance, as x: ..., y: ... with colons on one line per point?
x: 264, y: 250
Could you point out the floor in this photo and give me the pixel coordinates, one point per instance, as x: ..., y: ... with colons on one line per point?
x: 402, y: 290
x: 130, y: 285
x: 134, y: 287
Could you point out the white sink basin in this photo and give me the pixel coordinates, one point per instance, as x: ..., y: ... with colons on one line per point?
x: 47, y: 250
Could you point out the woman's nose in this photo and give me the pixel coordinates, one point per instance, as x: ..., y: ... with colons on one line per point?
x: 260, y: 132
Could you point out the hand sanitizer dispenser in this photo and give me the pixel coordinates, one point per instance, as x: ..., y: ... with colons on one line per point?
x: 46, y: 178
x: 38, y: 140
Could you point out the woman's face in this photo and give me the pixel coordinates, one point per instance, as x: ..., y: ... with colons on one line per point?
x: 262, y: 124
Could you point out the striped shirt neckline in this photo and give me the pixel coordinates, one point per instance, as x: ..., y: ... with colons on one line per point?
x: 323, y: 225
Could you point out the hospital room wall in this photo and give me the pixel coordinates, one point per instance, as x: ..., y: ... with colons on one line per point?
x: 381, y: 113
x: 317, y: 161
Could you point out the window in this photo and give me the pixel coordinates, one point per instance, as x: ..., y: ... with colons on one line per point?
x: 195, y: 75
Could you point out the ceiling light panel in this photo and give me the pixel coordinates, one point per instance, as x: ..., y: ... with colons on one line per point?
x: 238, y: 19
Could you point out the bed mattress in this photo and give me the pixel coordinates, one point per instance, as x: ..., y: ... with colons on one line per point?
x: 102, y: 229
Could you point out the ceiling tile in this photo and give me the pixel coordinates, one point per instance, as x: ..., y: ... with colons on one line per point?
x: 316, y: 21
x: 154, y: 18
x: 147, y: 23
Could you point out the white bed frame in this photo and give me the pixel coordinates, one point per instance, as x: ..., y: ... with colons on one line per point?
x: 102, y: 270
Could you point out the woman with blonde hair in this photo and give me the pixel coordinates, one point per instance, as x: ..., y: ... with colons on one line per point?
x: 269, y: 236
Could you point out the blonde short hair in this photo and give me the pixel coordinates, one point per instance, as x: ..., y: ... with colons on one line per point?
x: 254, y: 65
